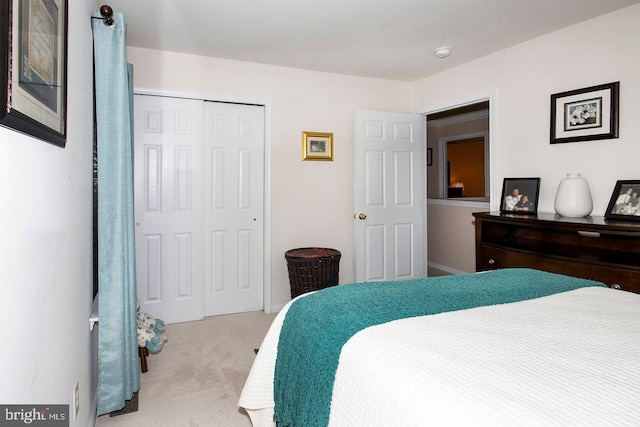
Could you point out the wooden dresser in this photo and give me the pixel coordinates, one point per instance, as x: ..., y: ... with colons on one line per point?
x: 592, y: 248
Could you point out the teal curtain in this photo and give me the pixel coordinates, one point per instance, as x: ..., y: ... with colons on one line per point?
x: 118, y: 361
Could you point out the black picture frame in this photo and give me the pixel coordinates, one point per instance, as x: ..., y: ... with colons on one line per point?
x: 526, y: 202
x: 586, y: 114
x: 33, y: 68
x: 625, y: 201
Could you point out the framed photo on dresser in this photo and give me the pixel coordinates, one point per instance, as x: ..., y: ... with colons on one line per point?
x: 624, y: 203
x: 520, y: 195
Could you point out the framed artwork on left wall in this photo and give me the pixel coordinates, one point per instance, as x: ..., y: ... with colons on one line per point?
x: 33, y: 68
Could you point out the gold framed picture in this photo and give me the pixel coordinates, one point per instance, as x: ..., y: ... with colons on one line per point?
x: 317, y: 146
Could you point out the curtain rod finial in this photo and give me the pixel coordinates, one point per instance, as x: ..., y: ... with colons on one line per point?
x: 107, y: 14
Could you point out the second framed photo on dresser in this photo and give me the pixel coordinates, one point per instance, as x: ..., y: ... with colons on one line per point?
x: 624, y: 203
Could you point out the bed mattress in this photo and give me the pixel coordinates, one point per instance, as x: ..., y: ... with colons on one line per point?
x: 567, y: 359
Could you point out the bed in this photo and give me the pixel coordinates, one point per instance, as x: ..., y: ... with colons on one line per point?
x: 506, y: 347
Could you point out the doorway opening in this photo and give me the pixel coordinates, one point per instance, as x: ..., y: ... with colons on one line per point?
x: 458, y: 143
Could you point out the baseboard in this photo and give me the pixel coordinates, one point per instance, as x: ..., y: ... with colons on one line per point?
x: 94, y: 410
x: 276, y: 308
x: 445, y: 268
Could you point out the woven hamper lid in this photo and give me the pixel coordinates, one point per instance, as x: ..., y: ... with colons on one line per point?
x: 312, y: 253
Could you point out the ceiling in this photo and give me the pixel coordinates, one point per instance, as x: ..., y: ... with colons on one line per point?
x: 388, y: 39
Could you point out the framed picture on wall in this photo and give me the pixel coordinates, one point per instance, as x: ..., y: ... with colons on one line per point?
x: 317, y: 146
x: 624, y: 203
x: 33, y: 70
x: 585, y: 114
x: 520, y: 195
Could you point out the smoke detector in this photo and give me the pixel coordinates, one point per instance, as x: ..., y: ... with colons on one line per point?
x: 443, y: 52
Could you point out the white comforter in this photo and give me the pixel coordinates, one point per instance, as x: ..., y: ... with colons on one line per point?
x: 570, y: 359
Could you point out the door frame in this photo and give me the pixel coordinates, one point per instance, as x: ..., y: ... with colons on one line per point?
x: 266, y: 104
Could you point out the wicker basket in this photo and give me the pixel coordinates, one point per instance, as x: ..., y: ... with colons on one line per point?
x: 311, y: 269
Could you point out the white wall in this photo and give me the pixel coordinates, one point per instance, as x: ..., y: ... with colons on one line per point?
x: 451, y: 230
x: 45, y: 250
x: 523, y: 78
x: 312, y: 202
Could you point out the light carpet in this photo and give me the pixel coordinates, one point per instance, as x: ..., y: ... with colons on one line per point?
x: 197, y: 378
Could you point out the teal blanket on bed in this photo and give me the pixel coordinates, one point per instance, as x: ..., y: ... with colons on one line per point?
x: 317, y: 326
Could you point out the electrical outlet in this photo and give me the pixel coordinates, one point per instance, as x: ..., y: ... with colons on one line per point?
x: 76, y: 399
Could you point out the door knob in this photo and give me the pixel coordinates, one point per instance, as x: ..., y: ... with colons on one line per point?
x: 362, y: 216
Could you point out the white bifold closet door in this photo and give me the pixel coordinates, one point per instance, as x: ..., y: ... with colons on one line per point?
x: 198, y: 207
x: 233, y: 207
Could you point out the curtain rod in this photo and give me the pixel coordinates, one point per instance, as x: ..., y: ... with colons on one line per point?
x: 107, y: 15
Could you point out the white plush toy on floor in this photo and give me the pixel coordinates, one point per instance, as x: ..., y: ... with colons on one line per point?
x: 150, y: 332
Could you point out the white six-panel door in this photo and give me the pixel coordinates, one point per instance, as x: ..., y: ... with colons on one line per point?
x: 198, y: 182
x: 168, y: 207
x: 233, y: 207
x: 389, y: 182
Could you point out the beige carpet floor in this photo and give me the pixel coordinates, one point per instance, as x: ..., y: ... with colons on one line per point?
x: 197, y: 378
